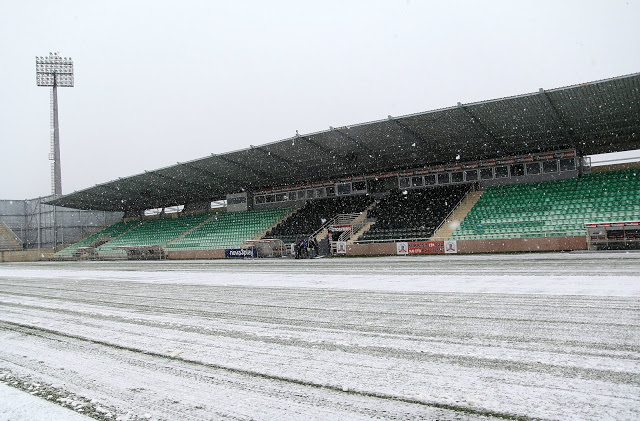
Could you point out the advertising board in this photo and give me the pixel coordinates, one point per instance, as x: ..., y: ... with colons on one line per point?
x: 426, y: 247
x: 240, y: 253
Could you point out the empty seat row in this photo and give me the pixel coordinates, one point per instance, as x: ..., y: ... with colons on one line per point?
x: 553, y: 208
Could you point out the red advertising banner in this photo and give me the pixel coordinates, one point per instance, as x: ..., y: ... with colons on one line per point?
x: 421, y: 247
x: 427, y: 247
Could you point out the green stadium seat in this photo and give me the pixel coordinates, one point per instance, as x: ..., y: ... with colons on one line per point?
x: 554, y: 208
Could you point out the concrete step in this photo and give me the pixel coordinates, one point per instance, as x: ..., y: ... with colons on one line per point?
x: 457, y: 216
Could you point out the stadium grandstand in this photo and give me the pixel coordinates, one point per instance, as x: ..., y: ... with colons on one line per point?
x: 510, y: 174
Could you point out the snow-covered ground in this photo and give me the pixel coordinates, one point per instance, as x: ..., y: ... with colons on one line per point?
x: 540, y: 336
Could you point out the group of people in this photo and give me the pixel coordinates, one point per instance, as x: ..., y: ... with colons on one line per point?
x: 306, y: 249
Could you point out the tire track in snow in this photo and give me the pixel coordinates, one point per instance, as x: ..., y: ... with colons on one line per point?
x: 56, y: 335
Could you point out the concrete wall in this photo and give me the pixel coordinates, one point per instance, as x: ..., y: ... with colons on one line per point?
x: 26, y: 255
x: 371, y: 249
x: 507, y: 245
x: 195, y: 254
x: 510, y: 245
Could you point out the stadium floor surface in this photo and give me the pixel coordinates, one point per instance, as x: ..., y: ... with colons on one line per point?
x: 540, y: 336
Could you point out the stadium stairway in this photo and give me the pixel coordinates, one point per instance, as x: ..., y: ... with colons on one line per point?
x: 363, y: 222
x: 154, y: 231
x: 453, y: 221
x: 553, y: 208
x: 190, y: 230
x: 264, y: 233
x: 229, y: 230
x: 9, y: 241
x: 312, y: 218
x: 412, y: 215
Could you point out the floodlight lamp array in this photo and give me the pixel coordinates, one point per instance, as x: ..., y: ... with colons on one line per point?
x: 54, y: 69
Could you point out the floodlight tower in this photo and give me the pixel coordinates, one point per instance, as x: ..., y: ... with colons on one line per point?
x: 54, y: 71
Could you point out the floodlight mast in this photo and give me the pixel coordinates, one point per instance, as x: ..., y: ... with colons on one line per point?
x: 55, y: 71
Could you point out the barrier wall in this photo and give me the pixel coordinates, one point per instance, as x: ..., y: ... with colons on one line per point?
x: 195, y: 254
x: 506, y: 245
x: 511, y: 245
x: 26, y: 255
x: 372, y: 249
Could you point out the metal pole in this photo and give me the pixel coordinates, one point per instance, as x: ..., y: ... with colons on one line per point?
x: 57, y: 172
x: 39, y: 224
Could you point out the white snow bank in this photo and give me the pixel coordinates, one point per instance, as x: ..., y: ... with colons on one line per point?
x: 18, y: 405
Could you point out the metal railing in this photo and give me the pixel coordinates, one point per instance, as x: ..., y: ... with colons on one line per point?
x: 444, y: 221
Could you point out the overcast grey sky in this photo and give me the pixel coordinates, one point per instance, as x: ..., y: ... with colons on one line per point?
x: 157, y: 82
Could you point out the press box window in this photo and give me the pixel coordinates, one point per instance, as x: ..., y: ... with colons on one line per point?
x: 331, y: 191
x: 259, y: 200
x: 344, y: 189
x: 320, y: 193
x: 443, y: 178
x: 430, y: 180
x: 310, y: 194
x: 269, y: 198
x: 281, y: 197
x: 359, y: 186
x: 457, y: 177
x: 417, y: 182
x: 567, y: 164
x: 301, y: 194
x: 404, y: 182
x: 533, y: 168
x: 502, y: 172
x: 550, y: 166
x: 237, y: 200
x: 517, y: 170
x: 471, y: 175
x: 486, y: 173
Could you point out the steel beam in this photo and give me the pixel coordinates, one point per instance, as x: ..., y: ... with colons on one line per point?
x: 277, y: 157
x: 255, y: 172
x: 481, y: 128
x: 562, y: 125
x: 210, y: 173
x: 368, y: 151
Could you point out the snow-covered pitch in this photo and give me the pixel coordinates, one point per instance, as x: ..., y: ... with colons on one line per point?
x: 539, y: 336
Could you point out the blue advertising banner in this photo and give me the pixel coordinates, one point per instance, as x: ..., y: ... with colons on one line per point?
x: 240, y: 253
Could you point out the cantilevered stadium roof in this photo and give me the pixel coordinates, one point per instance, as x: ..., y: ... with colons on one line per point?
x: 595, y: 117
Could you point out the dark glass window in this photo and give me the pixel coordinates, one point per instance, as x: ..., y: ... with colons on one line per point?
x: 443, y: 178
x: 567, y: 164
x: 517, y: 170
x: 404, y: 182
x: 344, y: 189
x: 486, y: 173
x: 457, y: 177
x: 471, y: 175
x: 502, y: 172
x: 259, y: 200
x: 550, y: 166
x: 417, y: 182
x: 430, y: 179
x: 331, y: 191
x: 533, y: 168
x: 359, y: 186
x: 237, y: 200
